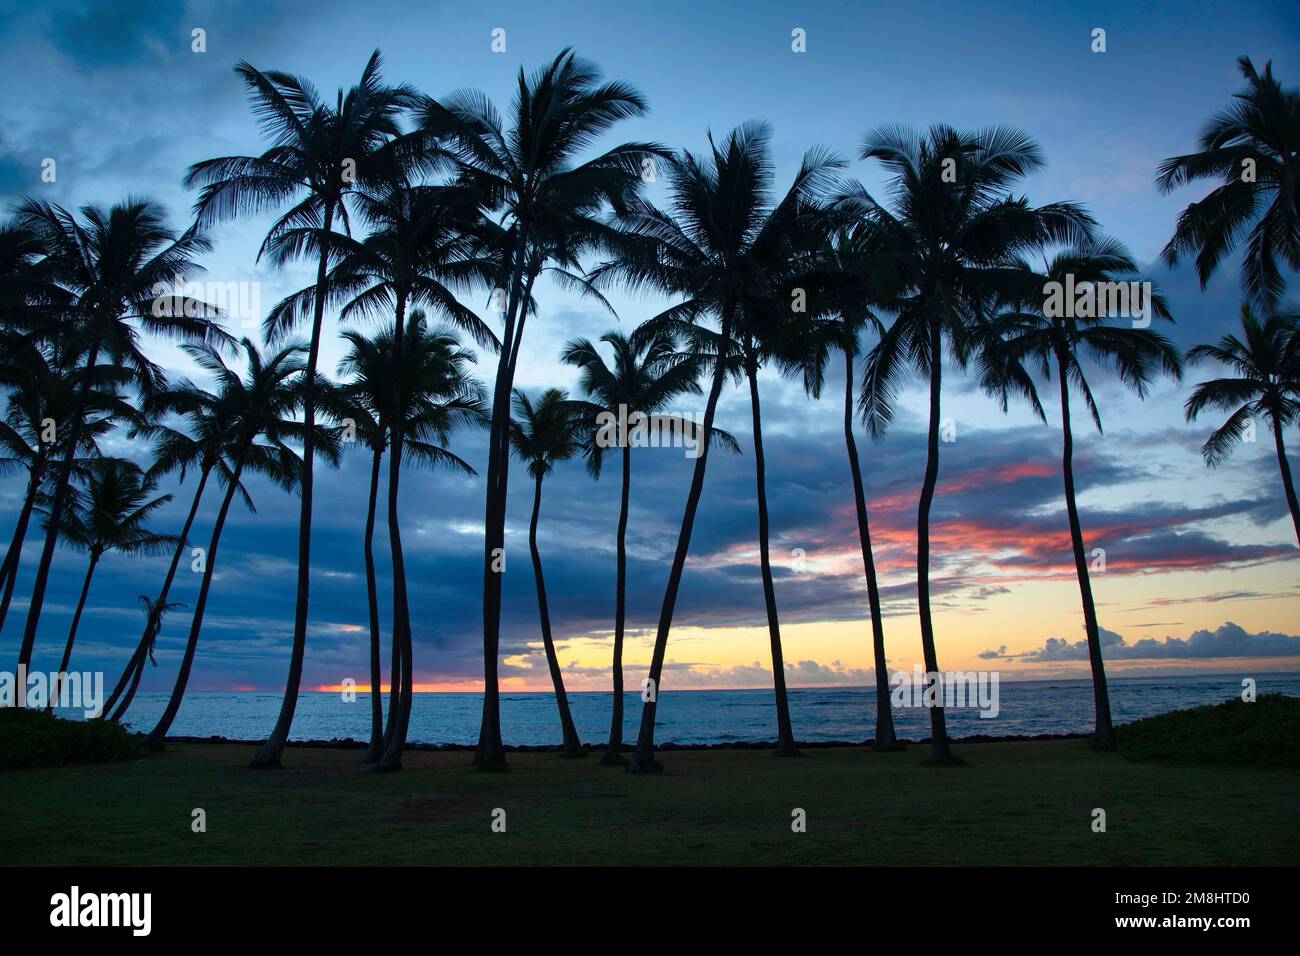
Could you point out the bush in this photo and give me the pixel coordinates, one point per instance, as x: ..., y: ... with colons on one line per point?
x: 1265, y: 733
x: 33, y: 738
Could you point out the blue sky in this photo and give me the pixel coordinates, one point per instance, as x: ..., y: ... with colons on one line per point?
x: 113, y: 92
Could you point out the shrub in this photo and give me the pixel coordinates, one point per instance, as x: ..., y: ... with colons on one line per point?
x: 33, y: 738
x: 1265, y: 733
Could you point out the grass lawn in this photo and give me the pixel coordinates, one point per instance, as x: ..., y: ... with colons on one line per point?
x: 1025, y: 802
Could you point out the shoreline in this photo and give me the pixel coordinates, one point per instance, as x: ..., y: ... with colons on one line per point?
x: 351, y: 743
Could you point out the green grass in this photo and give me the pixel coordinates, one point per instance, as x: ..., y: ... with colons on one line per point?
x: 1024, y: 802
x: 1263, y: 733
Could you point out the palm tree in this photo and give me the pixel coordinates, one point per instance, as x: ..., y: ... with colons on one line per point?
x: 21, y: 282
x: 319, y: 153
x: 374, y: 437
x: 153, y: 615
x: 1053, y: 340
x: 105, y: 270
x: 647, y: 374
x: 1265, y: 383
x: 543, y: 433
x: 1252, y: 149
x: 110, y: 515
x: 549, y: 198
x: 259, y: 405
x: 719, y: 248
x: 769, y: 333
x: 425, y: 241
x: 438, y: 396
x: 847, y: 256
x: 40, y: 396
x: 200, y: 447
x: 944, y: 251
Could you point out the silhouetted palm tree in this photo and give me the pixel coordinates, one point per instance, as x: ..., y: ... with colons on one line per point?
x: 532, y: 173
x: 40, y: 396
x: 259, y: 405
x: 110, y: 515
x: 719, y: 247
x: 647, y: 374
x: 425, y: 242
x: 944, y: 251
x: 1264, y: 383
x: 438, y: 395
x: 847, y: 257
x: 1053, y: 341
x: 199, y: 447
x: 317, y: 152
x: 107, y: 268
x: 153, y: 615
x: 1252, y: 149
x: 551, y: 430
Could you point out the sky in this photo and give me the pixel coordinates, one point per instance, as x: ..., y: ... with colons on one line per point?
x: 1201, y: 566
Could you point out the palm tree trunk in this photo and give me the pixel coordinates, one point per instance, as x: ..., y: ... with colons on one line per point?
x: 614, y: 749
x: 1287, y: 484
x: 490, y: 753
x: 72, y: 630
x: 643, y: 757
x: 268, y: 755
x: 572, y: 745
x: 938, y: 725
x: 392, y: 758
x: 784, y: 731
x: 885, y: 738
x: 1104, y: 732
x: 13, y: 556
x: 376, y: 748
x: 56, y: 512
x: 394, y: 690
x: 156, y: 738
x: 135, y: 667
x: 136, y: 673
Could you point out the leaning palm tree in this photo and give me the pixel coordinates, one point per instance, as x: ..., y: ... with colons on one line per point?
x: 718, y: 247
x: 198, y: 447
x: 425, y: 243
x: 1053, y: 341
x: 106, y: 267
x: 945, y: 248
x: 647, y: 374
x: 153, y: 616
x: 1264, y: 383
x: 111, y: 515
x: 438, y: 395
x: 319, y: 153
x: 542, y: 434
x: 41, y: 395
x: 548, y: 195
x: 1251, y: 148
x: 261, y: 407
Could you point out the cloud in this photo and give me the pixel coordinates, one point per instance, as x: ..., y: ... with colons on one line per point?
x: 805, y: 673
x: 1229, y: 640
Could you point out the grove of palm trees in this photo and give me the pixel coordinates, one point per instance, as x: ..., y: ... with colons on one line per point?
x: 431, y: 237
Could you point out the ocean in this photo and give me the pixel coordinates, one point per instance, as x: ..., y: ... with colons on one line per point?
x: 700, y: 717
